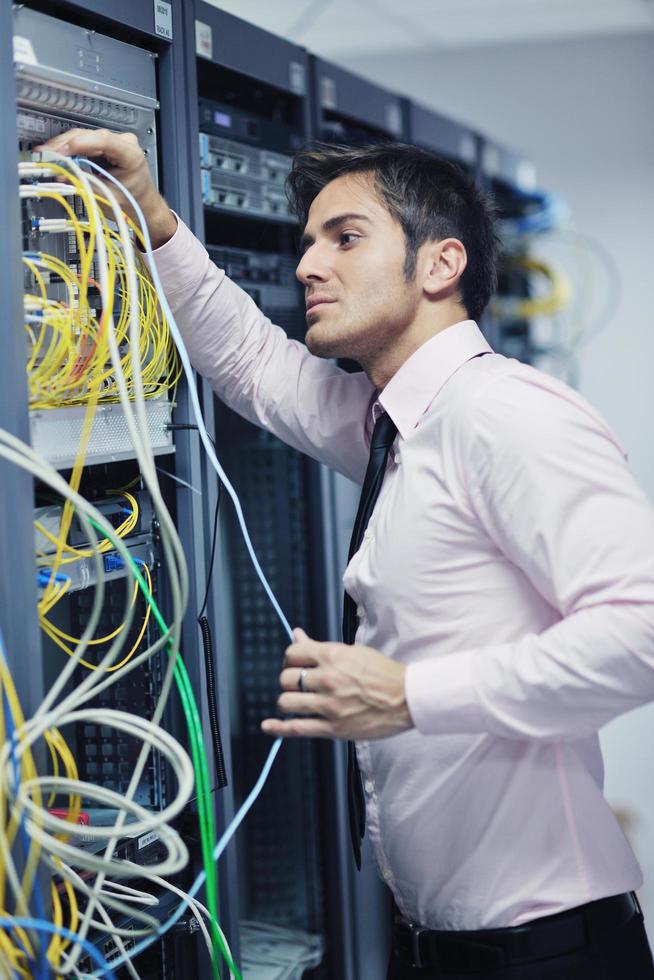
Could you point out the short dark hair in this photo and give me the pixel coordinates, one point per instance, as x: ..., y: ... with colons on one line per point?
x: 430, y: 197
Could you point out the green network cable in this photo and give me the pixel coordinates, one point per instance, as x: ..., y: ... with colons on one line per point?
x: 198, y: 754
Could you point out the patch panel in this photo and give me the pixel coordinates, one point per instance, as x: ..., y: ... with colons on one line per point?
x: 257, y: 198
x: 115, y: 510
x: 236, y: 176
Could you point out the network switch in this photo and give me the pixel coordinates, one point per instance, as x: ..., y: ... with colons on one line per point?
x: 239, y: 174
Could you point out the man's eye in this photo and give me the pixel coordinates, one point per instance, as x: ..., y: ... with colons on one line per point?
x: 347, y: 237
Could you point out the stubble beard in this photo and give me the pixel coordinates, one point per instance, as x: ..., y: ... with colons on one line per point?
x: 364, y: 339
x: 337, y: 340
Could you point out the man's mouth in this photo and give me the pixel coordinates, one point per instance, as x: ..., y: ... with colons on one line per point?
x: 315, y: 301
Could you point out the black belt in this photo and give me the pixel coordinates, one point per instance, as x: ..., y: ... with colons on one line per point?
x: 552, y: 935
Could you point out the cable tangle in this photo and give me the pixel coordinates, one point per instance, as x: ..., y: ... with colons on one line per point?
x: 96, y: 333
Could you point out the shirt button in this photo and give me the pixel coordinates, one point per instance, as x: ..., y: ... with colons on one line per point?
x: 387, y: 874
x: 361, y: 613
x: 369, y: 786
x: 367, y: 534
x: 397, y: 458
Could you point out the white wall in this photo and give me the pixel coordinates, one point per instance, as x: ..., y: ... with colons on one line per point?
x: 582, y: 112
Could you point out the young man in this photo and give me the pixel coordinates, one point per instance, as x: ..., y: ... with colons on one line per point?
x: 504, y: 586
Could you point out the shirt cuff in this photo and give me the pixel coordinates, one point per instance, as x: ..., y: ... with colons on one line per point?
x: 441, y: 695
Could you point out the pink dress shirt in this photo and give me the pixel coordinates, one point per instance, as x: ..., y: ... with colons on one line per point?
x: 509, y: 563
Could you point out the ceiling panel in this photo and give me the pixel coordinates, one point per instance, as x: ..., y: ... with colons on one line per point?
x: 334, y: 28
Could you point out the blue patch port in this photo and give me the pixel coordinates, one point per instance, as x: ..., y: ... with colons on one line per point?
x: 113, y: 562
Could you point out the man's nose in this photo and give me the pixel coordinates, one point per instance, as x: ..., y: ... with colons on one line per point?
x: 312, y: 267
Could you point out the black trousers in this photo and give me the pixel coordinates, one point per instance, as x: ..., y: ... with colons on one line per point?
x: 624, y: 954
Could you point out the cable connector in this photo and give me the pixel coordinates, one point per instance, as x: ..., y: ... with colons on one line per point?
x: 113, y: 562
x: 44, y: 578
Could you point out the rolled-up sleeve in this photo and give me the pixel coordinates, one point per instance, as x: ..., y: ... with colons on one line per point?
x: 308, y: 402
x: 551, y: 488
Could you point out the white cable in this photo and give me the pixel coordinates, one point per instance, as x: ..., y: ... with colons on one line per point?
x: 129, y: 894
x: 35, y: 727
x: 39, y: 468
x: 196, y: 907
x: 61, y: 868
x: 108, y: 922
x: 38, y: 190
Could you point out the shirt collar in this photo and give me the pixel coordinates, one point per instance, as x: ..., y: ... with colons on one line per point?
x: 412, y: 389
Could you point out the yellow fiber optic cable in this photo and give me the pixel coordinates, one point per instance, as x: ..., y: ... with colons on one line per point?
x: 557, y: 299
x: 56, y: 383
x: 59, y: 749
x: 76, y: 474
x: 54, y: 631
x: 28, y: 771
x: 125, y: 528
x: 58, y: 637
x: 55, y: 740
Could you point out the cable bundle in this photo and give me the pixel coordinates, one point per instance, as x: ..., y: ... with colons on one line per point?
x: 118, y: 349
x: 68, y: 361
x: 273, y: 953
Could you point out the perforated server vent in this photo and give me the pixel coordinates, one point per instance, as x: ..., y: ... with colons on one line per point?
x: 107, y: 756
x: 285, y: 877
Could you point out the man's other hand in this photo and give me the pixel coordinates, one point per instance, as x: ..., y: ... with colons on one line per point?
x: 123, y: 157
x: 349, y: 691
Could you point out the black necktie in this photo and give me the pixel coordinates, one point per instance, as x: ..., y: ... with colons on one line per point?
x: 380, y: 445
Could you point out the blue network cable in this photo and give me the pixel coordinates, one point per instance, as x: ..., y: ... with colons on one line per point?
x: 551, y: 212
x: 40, y: 925
x: 45, y: 578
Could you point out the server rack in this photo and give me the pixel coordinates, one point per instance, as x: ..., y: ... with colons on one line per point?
x: 253, y: 111
x: 510, y: 178
x: 21, y: 632
x: 444, y: 136
x: 96, y: 29
x: 349, y: 109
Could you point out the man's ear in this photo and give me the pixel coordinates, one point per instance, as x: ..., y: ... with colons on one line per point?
x: 443, y: 264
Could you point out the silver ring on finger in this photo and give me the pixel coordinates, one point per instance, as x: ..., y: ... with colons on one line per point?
x: 301, y: 680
